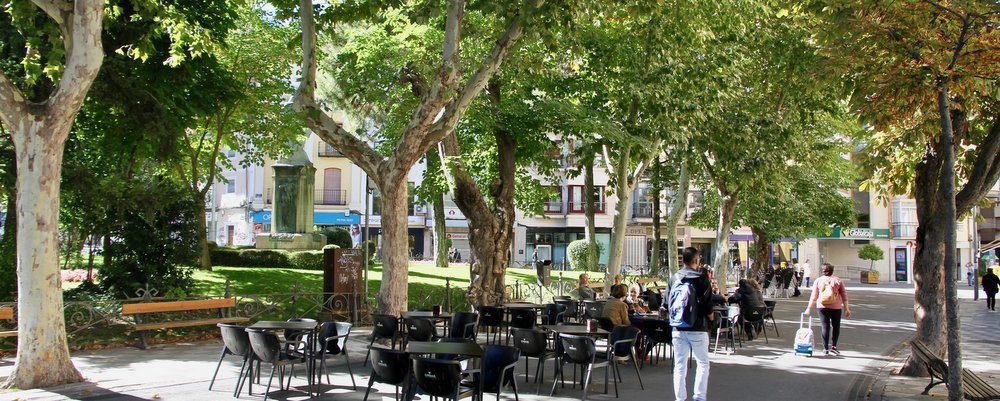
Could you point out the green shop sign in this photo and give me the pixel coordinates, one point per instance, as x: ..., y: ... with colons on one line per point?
x: 858, y: 233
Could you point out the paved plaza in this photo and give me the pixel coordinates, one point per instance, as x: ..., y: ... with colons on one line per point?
x: 871, y: 345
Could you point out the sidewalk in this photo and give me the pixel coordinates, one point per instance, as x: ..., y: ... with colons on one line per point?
x: 980, y: 336
x: 870, y: 344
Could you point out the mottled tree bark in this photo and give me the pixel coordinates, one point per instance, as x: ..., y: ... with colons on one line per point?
x: 762, y: 251
x: 726, y: 211
x: 656, y: 188
x: 440, y: 230
x: 677, y: 208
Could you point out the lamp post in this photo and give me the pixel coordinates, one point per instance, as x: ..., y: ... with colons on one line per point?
x: 975, y: 253
x: 364, y: 245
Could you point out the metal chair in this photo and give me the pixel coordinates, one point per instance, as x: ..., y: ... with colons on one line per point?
x: 533, y: 343
x: 580, y: 350
x: 754, y: 318
x: 521, y: 319
x: 333, y: 341
x: 770, y: 315
x: 236, y: 342
x: 572, y: 308
x: 621, y: 348
x: 441, y: 378
x: 491, y: 318
x: 463, y: 325
x: 729, y: 322
x: 498, y: 370
x: 554, y: 314
x: 593, y: 309
x: 658, y: 336
x: 389, y: 366
x: 385, y: 327
x: 267, y: 348
x: 419, y: 329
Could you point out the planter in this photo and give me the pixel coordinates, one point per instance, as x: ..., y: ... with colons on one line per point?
x: 869, y: 277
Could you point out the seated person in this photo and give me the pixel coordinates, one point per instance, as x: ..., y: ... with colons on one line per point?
x: 616, y: 309
x: 748, y: 297
x: 635, y: 301
x: 718, y: 299
x: 618, y: 279
x: 583, y: 291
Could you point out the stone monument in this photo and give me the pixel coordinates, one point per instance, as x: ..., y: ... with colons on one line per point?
x: 292, y: 214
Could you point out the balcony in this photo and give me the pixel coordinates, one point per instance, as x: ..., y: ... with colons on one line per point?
x: 580, y: 208
x: 326, y: 150
x: 553, y: 207
x: 337, y: 197
x: 904, y: 230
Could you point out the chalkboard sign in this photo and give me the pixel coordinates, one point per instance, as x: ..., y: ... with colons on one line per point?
x: 343, y: 271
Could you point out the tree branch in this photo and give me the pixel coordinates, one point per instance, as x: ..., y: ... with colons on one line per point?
x: 60, y: 12
x: 644, y: 163
x: 491, y: 63
x: 418, y: 84
x: 11, y: 101
x: 985, y: 171
x: 304, y: 103
x: 84, y: 56
x: 942, y: 7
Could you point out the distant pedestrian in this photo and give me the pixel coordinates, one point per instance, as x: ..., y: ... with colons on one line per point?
x: 807, y: 271
x: 830, y: 299
x: 693, y: 339
x: 991, y: 283
x: 970, y: 273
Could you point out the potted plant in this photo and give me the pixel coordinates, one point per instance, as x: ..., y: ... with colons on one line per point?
x: 871, y: 253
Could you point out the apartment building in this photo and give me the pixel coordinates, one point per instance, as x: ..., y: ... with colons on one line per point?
x: 229, y: 205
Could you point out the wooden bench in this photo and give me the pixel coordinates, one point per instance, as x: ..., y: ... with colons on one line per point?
x: 644, y: 282
x: 140, y: 310
x: 7, y: 314
x: 975, y: 388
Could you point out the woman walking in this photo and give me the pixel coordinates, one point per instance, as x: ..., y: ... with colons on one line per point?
x: 830, y: 298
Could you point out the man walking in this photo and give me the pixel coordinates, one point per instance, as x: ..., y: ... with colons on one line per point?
x: 694, y: 338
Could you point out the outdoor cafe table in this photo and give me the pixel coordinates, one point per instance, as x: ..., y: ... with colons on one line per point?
x: 467, y: 349
x: 311, y: 327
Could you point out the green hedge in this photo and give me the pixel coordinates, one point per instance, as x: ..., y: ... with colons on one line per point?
x: 307, y: 260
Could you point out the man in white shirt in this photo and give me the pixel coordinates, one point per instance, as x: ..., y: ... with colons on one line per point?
x: 806, y: 272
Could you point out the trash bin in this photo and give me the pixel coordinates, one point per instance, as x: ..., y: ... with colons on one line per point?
x: 543, y: 268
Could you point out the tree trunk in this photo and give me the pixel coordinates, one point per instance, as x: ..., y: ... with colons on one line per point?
x: 947, y: 199
x: 762, y: 251
x: 928, y: 275
x: 590, y: 210
x: 43, y: 355
x: 726, y: 211
x: 624, y: 193
x: 440, y: 232
x: 204, y: 254
x: 656, y: 187
x: 677, y: 207
x: 392, y: 296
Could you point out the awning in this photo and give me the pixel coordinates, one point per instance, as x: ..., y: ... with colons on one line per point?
x: 319, y: 218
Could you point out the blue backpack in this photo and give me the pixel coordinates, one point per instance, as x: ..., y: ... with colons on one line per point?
x: 681, y: 306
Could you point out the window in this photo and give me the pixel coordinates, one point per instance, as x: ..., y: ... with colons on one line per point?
x: 230, y: 187
x: 230, y: 153
x: 411, y: 204
x: 325, y: 150
x: 555, y: 205
x: 577, y: 200
x: 332, y: 194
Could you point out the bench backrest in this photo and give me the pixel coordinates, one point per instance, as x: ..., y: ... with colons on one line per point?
x: 924, y: 354
x: 6, y: 313
x: 644, y: 281
x: 176, y: 306
x: 595, y: 285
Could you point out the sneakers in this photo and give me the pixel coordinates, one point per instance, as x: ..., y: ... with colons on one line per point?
x: 835, y: 351
x: 826, y: 352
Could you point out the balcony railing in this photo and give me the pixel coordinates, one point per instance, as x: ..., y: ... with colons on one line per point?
x: 322, y: 197
x: 580, y: 207
x: 328, y: 151
x: 553, y: 207
x: 904, y: 230
x: 644, y: 209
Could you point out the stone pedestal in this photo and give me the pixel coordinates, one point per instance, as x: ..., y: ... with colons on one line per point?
x: 291, y: 241
x: 292, y: 217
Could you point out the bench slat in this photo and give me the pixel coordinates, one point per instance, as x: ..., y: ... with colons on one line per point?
x: 8, y: 333
x: 6, y: 313
x: 187, y: 323
x: 976, y: 388
x: 177, y: 306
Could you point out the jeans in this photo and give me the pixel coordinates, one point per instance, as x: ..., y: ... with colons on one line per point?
x: 831, y: 323
x: 686, y: 342
x: 991, y: 300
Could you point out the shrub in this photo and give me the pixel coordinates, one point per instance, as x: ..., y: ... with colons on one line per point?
x: 307, y: 260
x: 331, y: 246
x: 226, y: 257
x: 337, y: 236
x: 577, y: 253
x: 265, y: 258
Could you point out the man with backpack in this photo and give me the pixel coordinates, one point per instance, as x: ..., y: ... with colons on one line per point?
x: 690, y: 313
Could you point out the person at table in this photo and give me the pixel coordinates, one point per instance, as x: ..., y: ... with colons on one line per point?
x: 718, y: 298
x: 619, y: 279
x: 615, y: 308
x: 584, y: 291
x: 635, y: 301
x: 748, y: 297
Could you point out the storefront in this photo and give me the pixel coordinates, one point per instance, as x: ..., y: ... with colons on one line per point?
x: 551, y: 244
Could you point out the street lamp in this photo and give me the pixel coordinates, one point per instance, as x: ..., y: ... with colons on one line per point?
x: 369, y: 187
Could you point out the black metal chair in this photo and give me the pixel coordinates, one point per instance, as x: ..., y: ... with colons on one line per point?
x: 580, y: 350
x: 293, y: 335
x: 770, y: 315
x: 441, y: 378
x: 463, y: 325
x: 521, y: 319
x: 333, y: 342
x: 753, y: 319
x: 605, y: 323
x: 267, y: 348
x: 658, y: 336
x: 554, y: 314
x: 533, y: 343
x: 385, y: 327
x: 497, y: 370
x: 491, y: 318
x: 419, y: 329
x: 572, y: 308
x: 621, y: 348
x: 236, y: 342
x: 389, y: 366
x: 593, y: 309
x: 727, y: 325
